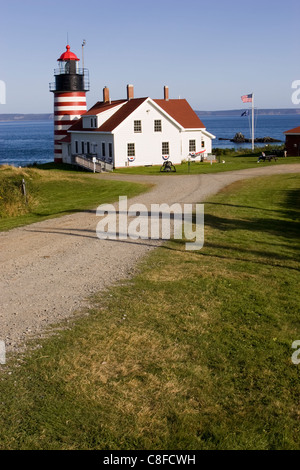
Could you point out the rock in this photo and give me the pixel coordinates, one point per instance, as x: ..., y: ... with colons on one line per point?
x: 239, y: 137
x: 267, y: 139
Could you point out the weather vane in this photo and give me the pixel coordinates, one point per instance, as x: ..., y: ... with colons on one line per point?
x: 83, y: 44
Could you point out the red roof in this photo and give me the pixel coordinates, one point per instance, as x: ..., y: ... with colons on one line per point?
x: 100, y: 106
x: 121, y: 114
x: 115, y: 119
x: 68, y: 55
x: 181, y: 111
x: 296, y: 130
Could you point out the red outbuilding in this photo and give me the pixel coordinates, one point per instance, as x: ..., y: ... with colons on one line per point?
x: 292, y: 142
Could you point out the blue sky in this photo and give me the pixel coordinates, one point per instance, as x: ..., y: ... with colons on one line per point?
x: 208, y: 52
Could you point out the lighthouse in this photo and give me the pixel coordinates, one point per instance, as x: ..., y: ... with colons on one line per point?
x: 69, y: 89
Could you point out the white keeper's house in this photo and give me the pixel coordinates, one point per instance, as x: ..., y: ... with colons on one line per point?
x: 137, y: 132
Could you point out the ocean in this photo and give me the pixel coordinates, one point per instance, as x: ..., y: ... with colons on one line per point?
x: 264, y: 126
x: 26, y: 142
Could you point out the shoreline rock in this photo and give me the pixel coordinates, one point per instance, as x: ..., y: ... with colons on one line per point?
x: 241, y: 139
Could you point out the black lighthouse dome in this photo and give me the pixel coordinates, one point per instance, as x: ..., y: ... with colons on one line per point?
x: 69, y: 77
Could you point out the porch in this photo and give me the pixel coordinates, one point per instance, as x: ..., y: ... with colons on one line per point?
x: 91, y: 162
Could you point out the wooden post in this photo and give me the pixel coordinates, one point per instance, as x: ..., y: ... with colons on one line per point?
x: 24, y: 190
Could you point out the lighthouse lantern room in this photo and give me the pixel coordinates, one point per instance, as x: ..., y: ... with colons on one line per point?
x: 70, y: 87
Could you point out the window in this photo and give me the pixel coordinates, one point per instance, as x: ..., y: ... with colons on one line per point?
x: 165, y: 148
x: 157, y: 125
x: 110, y: 150
x: 130, y: 150
x: 103, y: 149
x: 93, y: 122
x: 203, y: 144
x: 192, y: 146
x: 82, y: 147
x: 137, y: 126
x: 76, y: 146
x: 88, y: 147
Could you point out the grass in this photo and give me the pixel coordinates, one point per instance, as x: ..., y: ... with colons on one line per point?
x: 53, y: 192
x: 193, y: 353
x: 234, y: 160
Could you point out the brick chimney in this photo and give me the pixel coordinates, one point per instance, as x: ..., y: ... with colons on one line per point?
x: 106, y: 95
x: 166, y: 93
x: 130, y: 94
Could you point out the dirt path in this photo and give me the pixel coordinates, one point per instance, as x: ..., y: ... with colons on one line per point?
x: 49, y: 269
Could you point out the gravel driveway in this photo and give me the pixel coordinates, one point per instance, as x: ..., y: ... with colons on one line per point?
x: 49, y: 269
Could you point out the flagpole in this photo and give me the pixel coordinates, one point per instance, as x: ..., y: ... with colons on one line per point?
x: 252, y: 121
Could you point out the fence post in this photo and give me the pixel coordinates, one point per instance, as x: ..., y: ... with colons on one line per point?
x: 24, y: 190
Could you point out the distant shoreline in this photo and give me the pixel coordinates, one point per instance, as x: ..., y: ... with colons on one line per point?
x: 16, y: 117
x: 260, y: 112
x: 26, y: 117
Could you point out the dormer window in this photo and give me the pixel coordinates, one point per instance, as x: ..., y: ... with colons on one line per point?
x: 93, y: 122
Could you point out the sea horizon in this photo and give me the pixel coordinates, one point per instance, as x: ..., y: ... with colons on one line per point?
x: 24, y: 142
x: 7, y: 117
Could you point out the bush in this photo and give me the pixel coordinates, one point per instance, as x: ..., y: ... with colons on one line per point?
x: 223, y: 151
x: 12, y: 200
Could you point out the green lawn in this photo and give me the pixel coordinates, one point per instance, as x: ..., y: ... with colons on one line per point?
x: 193, y: 353
x: 53, y: 192
x: 233, y: 161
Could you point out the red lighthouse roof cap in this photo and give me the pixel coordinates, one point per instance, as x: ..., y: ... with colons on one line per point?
x: 68, y: 55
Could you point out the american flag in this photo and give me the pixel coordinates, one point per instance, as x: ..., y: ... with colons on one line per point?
x: 247, y: 98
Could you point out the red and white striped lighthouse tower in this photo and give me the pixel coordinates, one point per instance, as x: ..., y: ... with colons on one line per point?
x: 70, y: 87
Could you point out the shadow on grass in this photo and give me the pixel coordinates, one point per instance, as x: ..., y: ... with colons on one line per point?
x: 292, y: 199
x: 65, y: 212
x: 272, y: 226
x: 232, y: 253
x: 58, y: 166
x: 255, y: 253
